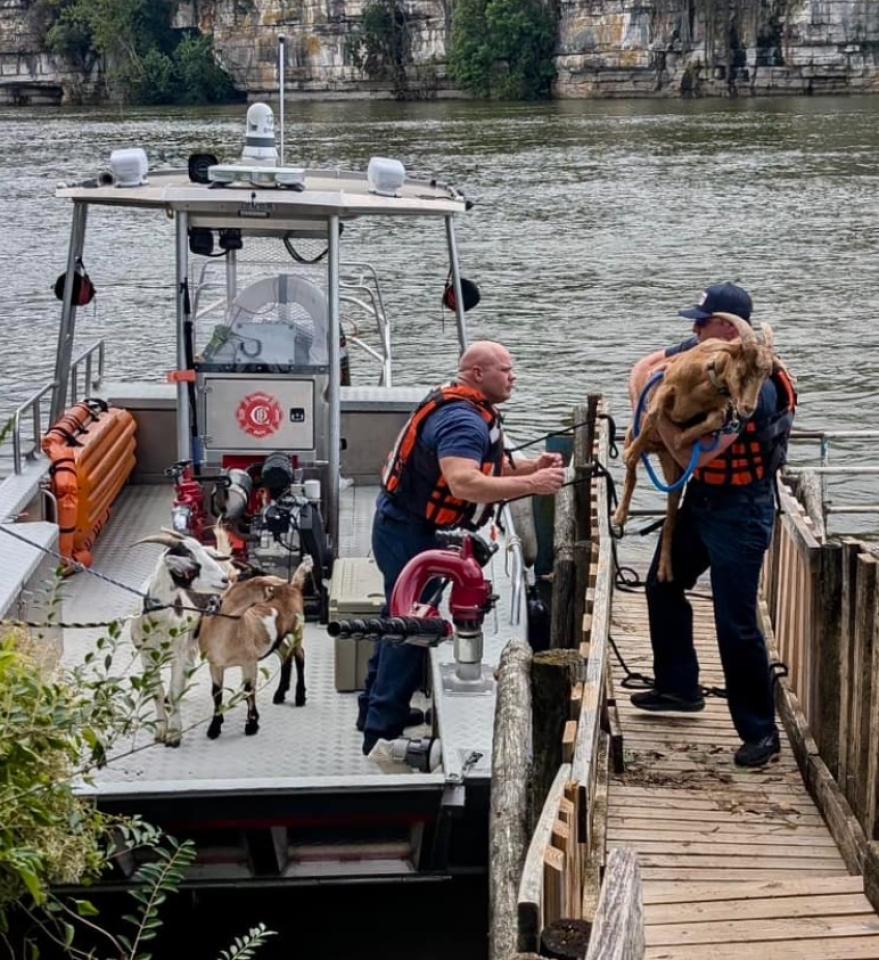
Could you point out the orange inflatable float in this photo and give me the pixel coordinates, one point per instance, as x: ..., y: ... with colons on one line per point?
x: 92, y: 452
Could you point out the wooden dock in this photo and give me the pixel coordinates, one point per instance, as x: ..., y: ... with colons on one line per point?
x: 734, y: 863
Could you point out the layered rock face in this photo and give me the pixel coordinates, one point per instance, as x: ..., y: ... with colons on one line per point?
x: 606, y: 48
x: 28, y: 74
x: 246, y: 42
x: 624, y: 48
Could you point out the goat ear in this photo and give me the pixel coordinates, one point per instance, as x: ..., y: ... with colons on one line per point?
x: 768, y: 336
x: 721, y: 359
x: 268, y: 591
x: 181, y: 568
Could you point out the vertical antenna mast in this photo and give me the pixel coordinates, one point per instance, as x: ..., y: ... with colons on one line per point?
x: 281, y: 85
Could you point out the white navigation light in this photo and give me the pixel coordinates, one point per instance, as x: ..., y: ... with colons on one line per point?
x: 129, y: 166
x: 259, y: 140
x: 385, y: 176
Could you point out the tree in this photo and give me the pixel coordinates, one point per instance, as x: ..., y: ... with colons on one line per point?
x: 146, y: 61
x: 503, y: 48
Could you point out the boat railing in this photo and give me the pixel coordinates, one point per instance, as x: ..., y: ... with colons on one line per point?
x: 88, y: 367
x: 26, y: 450
x: 514, y: 567
x: 90, y: 363
x: 358, y: 285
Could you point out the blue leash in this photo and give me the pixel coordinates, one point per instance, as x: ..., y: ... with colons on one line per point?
x: 698, y: 449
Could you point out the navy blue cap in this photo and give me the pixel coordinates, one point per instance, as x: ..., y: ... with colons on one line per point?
x: 721, y: 298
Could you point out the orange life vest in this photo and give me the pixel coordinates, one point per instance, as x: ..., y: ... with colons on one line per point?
x: 412, y: 475
x: 758, y: 452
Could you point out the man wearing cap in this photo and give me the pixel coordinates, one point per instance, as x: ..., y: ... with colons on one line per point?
x: 725, y: 525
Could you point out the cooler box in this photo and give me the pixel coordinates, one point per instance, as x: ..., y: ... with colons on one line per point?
x: 356, y: 590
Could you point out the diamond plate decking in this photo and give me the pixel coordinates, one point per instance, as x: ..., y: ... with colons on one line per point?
x: 315, y: 745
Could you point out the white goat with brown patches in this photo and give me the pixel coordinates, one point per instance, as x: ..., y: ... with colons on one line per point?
x: 258, y: 616
x: 699, y: 390
x: 183, y: 575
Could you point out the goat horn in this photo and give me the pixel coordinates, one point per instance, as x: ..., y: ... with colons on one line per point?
x: 744, y: 329
x: 173, y: 533
x: 161, y: 538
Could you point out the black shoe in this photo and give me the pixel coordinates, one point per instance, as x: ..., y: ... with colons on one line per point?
x: 760, y: 753
x: 665, y: 702
x: 415, y: 718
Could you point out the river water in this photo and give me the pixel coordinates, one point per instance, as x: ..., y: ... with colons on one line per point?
x: 594, y: 223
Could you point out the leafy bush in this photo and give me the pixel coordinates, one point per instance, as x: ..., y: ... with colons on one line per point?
x: 379, y: 45
x: 56, y: 725
x: 503, y: 48
x: 48, y: 833
x: 201, y: 79
x: 145, y: 60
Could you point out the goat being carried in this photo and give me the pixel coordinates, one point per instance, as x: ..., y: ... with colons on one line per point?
x: 702, y: 390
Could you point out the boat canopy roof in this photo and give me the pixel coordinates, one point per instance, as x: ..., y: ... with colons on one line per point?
x: 327, y: 193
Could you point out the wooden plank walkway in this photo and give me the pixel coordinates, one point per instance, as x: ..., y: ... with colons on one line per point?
x: 735, y: 863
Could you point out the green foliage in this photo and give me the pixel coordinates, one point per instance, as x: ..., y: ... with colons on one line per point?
x: 379, y: 45
x: 48, y: 834
x: 145, y: 60
x: 503, y: 48
x: 56, y: 725
x: 199, y: 74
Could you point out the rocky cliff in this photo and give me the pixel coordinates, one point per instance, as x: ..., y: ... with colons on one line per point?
x: 246, y: 41
x: 623, y: 48
x: 28, y: 74
x: 607, y: 48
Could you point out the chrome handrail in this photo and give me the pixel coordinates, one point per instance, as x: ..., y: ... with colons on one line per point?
x: 89, y: 382
x: 516, y: 570
x: 32, y: 402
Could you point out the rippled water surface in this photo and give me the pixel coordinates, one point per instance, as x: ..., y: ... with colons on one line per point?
x: 594, y: 224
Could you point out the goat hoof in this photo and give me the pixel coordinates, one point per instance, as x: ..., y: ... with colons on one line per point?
x: 279, y: 696
x: 617, y: 530
x: 300, y: 700
x: 214, y: 728
x: 251, y: 727
x: 172, y: 743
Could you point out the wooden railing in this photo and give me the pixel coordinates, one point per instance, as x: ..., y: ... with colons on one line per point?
x: 822, y: 601
x: 565, y: 857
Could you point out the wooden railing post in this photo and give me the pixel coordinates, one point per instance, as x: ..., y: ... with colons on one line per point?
x: 618, y: 930
x: 862, y: 690
x: 510, y: 776
x: 845, y: 773
x: 553, y: 675
x: 564, y: 574
x: 826, y: 694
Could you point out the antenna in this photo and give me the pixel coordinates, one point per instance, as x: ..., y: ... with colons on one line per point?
x: 281, y: 86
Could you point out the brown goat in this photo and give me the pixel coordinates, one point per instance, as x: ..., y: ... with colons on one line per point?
x: 700, y: 389
x: 262, y: 615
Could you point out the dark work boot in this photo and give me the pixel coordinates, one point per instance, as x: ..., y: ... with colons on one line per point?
x: 759, y: 753
x: 665, y: 702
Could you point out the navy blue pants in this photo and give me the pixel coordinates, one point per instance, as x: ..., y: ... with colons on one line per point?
x: 395, y: 670
x: 726, y: 529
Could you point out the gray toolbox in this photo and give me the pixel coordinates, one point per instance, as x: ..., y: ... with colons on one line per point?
x: 356, y: 590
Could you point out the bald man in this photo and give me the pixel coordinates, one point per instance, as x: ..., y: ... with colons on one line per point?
x: 446, y: 470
